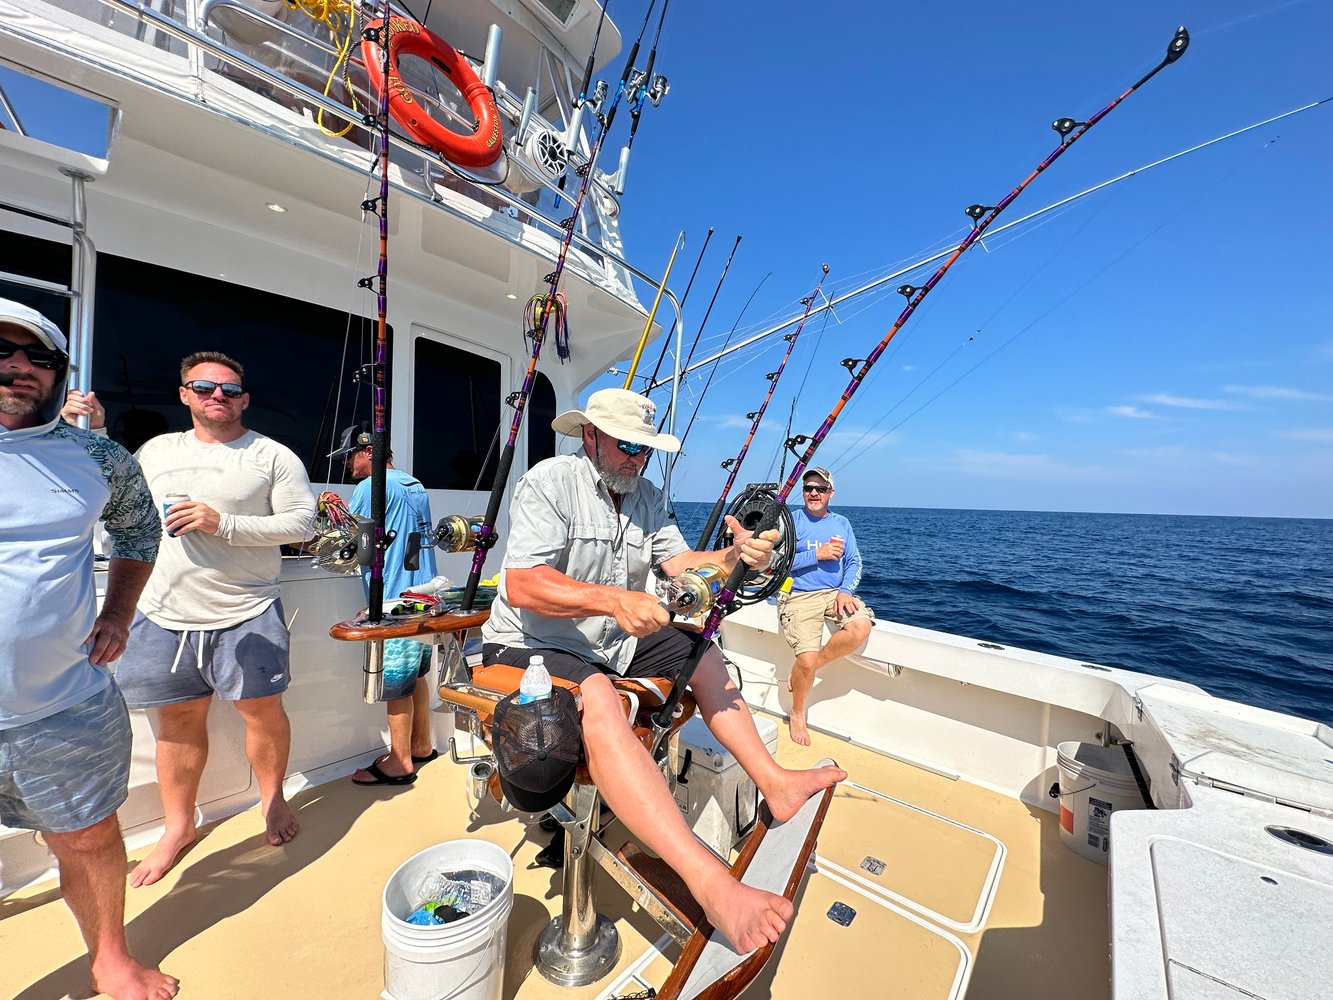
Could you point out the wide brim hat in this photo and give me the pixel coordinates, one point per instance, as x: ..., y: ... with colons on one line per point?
x: 17, y: 314
x: 354, y: 438
x: 817, y: 471
x: 537, y: 748
x: 620, y: 413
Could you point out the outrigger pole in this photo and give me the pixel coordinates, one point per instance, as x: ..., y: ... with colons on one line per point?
x: 652, y: 313
x: 982, y: 216
x: 666, y: 340
x: 486, y: 536
x: 757, y: 416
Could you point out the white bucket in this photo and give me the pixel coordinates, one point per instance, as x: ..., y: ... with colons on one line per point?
x: 1094, y: 782
x: 462, y: 960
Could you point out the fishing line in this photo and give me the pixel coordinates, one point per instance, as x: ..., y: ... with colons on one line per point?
x: 1079, y: 288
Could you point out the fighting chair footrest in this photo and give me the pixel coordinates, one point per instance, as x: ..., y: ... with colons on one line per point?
x: 774, y: 858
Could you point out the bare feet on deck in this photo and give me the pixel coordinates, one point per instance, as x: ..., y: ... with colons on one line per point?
x: 280, y: 823
x: 796, y: 728
x: 796, y: 787
x: 163, y: 857
x: 747, y: 917
x: 125, y: 979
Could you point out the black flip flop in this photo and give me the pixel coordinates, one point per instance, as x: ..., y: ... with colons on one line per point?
x: 418, y: 761
x: 385, y: 779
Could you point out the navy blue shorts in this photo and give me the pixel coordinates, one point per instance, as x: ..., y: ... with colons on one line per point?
x: 661, y: 654
x: 70, y: 770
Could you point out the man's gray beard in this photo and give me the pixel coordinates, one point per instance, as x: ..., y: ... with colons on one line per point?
x: 21, y: 406
x: 616, y: 481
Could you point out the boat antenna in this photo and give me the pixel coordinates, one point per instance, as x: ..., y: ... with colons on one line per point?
x: 722, y: 600
x: 666, y: 340
x: 733, y: 465
x: 485, y: 537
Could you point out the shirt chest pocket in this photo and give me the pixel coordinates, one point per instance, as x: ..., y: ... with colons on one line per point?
x: 593, y: 550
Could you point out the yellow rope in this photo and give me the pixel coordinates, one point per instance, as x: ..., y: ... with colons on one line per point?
x: 339, y: 17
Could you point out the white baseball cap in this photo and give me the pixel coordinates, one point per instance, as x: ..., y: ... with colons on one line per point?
x: 817, y: 471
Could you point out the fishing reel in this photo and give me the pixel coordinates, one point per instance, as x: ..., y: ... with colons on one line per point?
x: 749, y: 508
x: 695, y: 592
x: 456, y: 533
x: 336, y: 545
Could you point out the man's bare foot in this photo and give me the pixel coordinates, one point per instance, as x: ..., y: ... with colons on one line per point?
x: 795, y: 788
x: 280, y: 823
x: 796, y: 725
x: 164, y: 856
x: 125, y: 979
x: 747, y: 917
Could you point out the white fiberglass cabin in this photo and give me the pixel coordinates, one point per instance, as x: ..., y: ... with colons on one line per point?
x: 213, y: 209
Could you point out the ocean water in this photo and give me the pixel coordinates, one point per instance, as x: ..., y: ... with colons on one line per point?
x: 1242, y: 607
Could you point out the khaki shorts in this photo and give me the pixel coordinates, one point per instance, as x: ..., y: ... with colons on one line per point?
x: 802, y: 616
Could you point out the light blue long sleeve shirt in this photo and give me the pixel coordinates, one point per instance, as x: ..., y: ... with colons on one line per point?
x: 808, y: 572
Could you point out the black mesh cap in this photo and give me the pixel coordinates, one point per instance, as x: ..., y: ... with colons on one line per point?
x: 537, y: 749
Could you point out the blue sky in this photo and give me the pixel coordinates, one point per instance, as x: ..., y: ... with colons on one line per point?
x: 1163, y: 346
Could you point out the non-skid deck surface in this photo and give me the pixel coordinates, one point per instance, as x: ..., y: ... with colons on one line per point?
x: 240, y: 919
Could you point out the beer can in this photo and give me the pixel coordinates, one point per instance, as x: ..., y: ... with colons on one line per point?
x: 167, y: 501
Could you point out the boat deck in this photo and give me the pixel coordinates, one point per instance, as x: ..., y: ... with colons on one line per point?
x: 976, y: 893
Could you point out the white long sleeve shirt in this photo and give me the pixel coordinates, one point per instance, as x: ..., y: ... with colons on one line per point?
x: 262, y: 495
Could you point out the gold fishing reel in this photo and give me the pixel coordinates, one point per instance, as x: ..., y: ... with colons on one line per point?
x: 694, y: 592
x: 457, y: 533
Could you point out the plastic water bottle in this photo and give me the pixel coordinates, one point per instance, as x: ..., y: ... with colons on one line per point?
x: 536, y: 683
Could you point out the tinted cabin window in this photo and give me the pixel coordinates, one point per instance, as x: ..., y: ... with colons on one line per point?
x: 456, y: 418
x: 540, y: 413
x: 146, y: 318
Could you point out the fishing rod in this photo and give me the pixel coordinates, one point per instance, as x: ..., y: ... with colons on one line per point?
x: 652, y: 313
x: 666, y: 340
x: 456, y: 533
x: 592, y: 55
x: 1038, y: 213
x: 373, y: 539
x: 654, y: 384
x: 645, y: 86
x: 733, y: 465
x: 720, y: 597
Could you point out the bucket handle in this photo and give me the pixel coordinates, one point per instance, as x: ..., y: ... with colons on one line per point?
x: 1055, y: 792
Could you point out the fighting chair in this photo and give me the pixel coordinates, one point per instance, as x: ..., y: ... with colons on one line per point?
x: 580, y: 946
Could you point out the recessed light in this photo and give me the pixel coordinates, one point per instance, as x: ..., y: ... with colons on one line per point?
x: 510, y: 295
x: 273, y: 206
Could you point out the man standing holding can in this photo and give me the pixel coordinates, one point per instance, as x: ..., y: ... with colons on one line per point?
x: 210, y: 620
x: 825, y: 572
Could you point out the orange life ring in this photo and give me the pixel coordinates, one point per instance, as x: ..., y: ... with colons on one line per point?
x: 482, y: 147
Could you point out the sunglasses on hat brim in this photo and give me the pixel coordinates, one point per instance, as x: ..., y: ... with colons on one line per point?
x: 38, y: 357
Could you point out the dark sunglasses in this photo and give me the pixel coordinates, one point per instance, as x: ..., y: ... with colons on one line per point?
x: 817, y: 489
x: 38, y: 357
x: 630, y: 448
x: 203, y: 387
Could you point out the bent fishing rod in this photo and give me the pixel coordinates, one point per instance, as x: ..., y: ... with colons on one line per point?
x: 733, y: 465
x: 722, y: 596
x: 455, y: 533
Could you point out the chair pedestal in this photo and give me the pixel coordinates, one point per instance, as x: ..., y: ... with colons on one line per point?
x: 578, y: 947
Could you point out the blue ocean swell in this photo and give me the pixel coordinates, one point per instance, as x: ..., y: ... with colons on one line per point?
x: 1243, y: 607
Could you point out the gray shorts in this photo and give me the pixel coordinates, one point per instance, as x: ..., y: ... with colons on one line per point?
x: 161, y: 666
x: 68, y: 771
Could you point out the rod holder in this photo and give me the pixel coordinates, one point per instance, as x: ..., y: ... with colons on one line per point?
x: 622, y: 170
x: 574, y: 130
x: 529, y: 105
x: 372, y: 687
x: 491, y: 68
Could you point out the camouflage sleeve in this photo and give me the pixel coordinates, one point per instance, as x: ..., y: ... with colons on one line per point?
x: 130, y: 514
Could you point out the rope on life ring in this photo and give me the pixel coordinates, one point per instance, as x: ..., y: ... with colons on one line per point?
x: 483, y: 145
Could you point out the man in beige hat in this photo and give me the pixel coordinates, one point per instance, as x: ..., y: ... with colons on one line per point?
x: 586, y: 530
